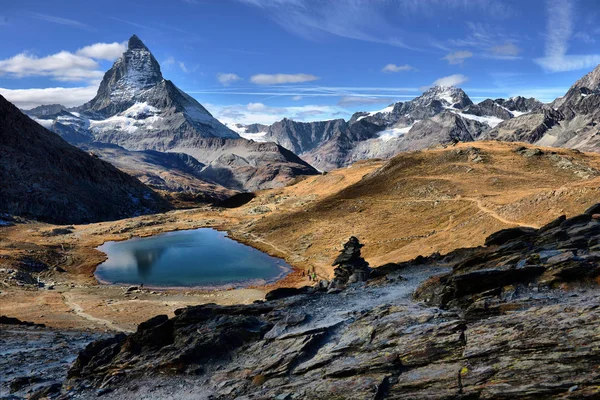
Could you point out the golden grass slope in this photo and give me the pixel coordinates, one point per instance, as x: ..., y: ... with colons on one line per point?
x: 431, y: 201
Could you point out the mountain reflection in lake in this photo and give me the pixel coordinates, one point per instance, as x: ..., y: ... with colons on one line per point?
x: 199, y: 257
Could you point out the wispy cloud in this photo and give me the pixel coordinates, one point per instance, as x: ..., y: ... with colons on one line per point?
x: 261, y: 113
x: 348, y: 101
x: 507, y: 50
x: 58, y: 20
x: 371, y: 21
x: 585, y: 37
x: 489, y: 40
x: 398, y: 68
x: 29, y: 98
x: 458, y: 57
x: 183, y: 67
x: 314, y: 91
x: 352, y: 19
x: 278, y: 79
x: 559, y: 28
x: 227, y: 79
x: 133, y: 23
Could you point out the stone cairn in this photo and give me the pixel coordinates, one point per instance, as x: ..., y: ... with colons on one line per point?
x: 350, y: 266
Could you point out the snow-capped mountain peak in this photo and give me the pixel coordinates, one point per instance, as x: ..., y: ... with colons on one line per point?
x: 449, y: 96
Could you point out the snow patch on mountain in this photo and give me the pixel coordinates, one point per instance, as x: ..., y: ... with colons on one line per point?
x: 137, y: 116
x: 395, y: 133
x: 490, y: 121
x: 46, y: 123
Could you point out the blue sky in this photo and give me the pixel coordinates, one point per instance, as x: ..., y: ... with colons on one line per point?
x: 262, y: 60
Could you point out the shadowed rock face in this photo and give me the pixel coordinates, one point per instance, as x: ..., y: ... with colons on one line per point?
x: 44, y: 177
x: 517, y: 319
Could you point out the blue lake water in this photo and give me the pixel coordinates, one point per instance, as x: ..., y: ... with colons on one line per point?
x: 194, y: 258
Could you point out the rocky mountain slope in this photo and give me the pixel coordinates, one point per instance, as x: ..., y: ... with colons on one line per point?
x: 137, y: 109
x: 176, y: 175
x: 571, y: 121
x: 443, y: 115
x: 515, y: 319
x: 44, y: 177
x: 440, y: 115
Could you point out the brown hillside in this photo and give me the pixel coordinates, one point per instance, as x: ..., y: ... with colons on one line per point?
x: 432, y: 201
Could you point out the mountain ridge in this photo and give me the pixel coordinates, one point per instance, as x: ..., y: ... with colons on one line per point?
x: 44, y: 177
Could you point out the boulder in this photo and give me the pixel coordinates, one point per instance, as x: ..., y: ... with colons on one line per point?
x: 281, y: 293
x: 595, y: 209
x: 506, y: 235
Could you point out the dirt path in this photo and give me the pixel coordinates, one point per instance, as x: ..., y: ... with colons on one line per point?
x: 477, y: 201
x: 78, y: 310
x: 493, y: 214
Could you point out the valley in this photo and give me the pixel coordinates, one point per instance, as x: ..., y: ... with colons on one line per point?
x: 417, y: 203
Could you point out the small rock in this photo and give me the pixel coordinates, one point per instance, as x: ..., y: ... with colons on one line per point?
x: 131, y: 289
x: 557, y: 259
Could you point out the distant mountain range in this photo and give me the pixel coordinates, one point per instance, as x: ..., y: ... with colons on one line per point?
x: 138, y: 110
x: 44, y: 177
x: 441, y: 115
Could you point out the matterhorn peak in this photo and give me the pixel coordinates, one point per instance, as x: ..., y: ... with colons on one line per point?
x: 136, y: 43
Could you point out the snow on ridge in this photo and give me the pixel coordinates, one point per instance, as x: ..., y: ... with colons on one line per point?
x: 490, y: 121
x: 386, y: 110
x: 519, y: 113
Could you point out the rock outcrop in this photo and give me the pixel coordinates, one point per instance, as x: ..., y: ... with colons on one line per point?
x: 350, y: 267
x: 44, y: 177
x: 516, y: 319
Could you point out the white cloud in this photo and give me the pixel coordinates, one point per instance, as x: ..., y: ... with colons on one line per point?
x: 507, y: 49
x: 183, y: 67
x: 559, y: 28
x: 63, y: 66
x: 29, y: 98
x: 452, y: 80
x: 398, y: 68
x: 278, y: 79
x: 227, y: 79
x: 458, y: 57
x: 297, y: 98
x: 103, y: 51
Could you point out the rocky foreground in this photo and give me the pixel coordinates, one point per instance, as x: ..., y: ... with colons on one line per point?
x: 518, y: 318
